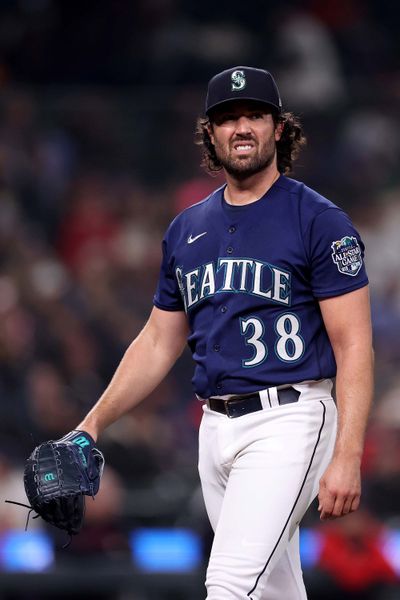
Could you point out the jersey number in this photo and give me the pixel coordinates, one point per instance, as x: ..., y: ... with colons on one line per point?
x: 289, y: 345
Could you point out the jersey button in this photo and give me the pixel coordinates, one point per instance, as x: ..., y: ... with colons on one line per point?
x: 232, y: 229
x: 217, y: 347
x: 229, y: 249
x: 224, y: 309
x: 219, y: 386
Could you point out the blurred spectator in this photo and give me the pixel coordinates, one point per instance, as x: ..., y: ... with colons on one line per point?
x: 311, y: 74
x: 382, y: 476
x: 89, y: 226
x: 51, y: 411
x: 194, y: 190
x: 352, y: 556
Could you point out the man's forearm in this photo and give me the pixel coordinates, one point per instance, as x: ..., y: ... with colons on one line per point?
x: 354, y: 392
x: 340, y: 485
x: 348, y: 323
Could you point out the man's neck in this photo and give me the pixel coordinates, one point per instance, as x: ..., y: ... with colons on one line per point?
x: 245, y: 191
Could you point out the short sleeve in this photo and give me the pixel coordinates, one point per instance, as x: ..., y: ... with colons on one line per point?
x: 337, y: 255
x: 167, y: 296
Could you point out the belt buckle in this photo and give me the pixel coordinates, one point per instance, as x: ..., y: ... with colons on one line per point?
x: 226, y: 405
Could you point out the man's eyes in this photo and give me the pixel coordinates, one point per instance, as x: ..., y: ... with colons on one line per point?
x: 253, y: 117
x: 226, y: 118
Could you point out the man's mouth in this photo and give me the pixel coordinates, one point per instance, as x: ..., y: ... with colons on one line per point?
x: 243, y: 147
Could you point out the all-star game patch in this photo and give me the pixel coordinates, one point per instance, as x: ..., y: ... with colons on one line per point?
x: 346, y: 254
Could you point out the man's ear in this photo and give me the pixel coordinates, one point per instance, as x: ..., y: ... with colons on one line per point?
x: 279, y: 130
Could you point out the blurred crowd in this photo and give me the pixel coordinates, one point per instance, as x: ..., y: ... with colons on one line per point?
x: 91, y: 175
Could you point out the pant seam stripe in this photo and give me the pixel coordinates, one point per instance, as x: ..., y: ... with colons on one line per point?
x: 295, y: 502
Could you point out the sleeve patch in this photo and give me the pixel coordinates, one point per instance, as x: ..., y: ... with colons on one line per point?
x: 346, y: 255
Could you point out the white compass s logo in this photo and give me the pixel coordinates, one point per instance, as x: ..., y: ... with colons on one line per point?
x: 238, y: 80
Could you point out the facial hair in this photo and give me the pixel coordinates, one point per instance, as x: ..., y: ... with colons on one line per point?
x: 243, y: 167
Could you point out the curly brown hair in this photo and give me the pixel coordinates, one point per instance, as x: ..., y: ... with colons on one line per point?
x: 288, y: 147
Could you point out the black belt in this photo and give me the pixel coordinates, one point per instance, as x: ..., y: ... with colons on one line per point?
x: 236, y: 406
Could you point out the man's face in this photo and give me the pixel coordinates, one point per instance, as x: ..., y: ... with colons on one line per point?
x: 244, y: 136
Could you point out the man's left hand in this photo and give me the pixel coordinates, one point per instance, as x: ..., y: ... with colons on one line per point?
x: 339, y: 489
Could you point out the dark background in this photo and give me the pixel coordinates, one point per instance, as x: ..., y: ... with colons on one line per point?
x: 98, y: 102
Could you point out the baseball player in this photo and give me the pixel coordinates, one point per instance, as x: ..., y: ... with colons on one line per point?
x: 265, y: 281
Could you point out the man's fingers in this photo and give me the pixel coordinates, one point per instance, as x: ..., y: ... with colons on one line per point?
x: 339, y: 491
x: 326, y: 504
x: 331, y: 510
x: 351, y: 504
x: 347, y: 505
x: 325, y: 515
x: 355, y: 503
x: 339, y: 506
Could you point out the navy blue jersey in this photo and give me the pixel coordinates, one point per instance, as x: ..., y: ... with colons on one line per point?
x: 249, y: 278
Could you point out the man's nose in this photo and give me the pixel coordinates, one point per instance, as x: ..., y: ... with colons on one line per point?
x: 243, y: 125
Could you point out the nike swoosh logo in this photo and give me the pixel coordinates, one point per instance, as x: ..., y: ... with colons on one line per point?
x: 191, y: 239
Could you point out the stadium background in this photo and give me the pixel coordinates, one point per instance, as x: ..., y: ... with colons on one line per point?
x: 98, y: 102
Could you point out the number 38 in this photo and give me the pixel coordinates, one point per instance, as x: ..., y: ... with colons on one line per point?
x: 289, y: 345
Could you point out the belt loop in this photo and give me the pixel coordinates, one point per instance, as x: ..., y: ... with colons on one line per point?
x: 273, y: 396
x: 265, y: 398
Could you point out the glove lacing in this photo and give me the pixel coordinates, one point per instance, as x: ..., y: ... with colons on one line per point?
x: 31, y: 509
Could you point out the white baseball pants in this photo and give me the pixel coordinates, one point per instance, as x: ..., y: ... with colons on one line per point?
x: 259, y: 474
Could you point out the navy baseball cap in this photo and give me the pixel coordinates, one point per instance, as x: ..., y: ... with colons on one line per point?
x: 243, y: 83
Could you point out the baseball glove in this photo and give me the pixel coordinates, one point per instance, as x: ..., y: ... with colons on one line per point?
x: 58, y: 475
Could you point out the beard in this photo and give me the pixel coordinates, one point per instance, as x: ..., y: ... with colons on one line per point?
x: 242, y: 167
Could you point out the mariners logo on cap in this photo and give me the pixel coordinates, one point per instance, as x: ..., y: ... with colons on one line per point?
x: 238, y: 80
x: 346, y: 254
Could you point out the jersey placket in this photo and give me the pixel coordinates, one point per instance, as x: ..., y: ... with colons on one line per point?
x: 217, y: 344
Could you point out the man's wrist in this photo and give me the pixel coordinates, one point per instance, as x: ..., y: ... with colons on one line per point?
x: 88, y: 428
x: 348, y: 454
